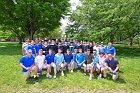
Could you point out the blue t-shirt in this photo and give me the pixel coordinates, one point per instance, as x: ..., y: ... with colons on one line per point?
x: 32, y: 47
x: 49, y: 58
x: 110, y: 49
x: 102, y: 49
x: 27, y: 62
x: 68, y: 58
x: 37, y: 47
x: 74, y: 57
x: 58, y: 58
x: 80, y: 57
x: 96, y: 58
x: 112, y: 63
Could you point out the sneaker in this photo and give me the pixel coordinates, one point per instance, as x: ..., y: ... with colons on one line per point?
x: 85, y: 74
x: 71, y: 71
x: 62, y: 73
x: 36, y: 79
x: 54, y: 76
x: 49, y: 76
x: 100, y: 76
x: 90, y: 78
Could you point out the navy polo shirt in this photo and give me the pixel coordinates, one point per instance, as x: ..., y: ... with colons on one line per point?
x: 50, y: 58
x: 27, y: 62
x: 112, y: 63
x: 68, y: 58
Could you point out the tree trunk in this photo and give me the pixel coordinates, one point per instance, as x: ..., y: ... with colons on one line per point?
x: 112, y: 39
x: 131, y: 41
x: 20, y: 40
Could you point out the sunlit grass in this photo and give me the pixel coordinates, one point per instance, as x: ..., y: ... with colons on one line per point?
x: 12, y: 79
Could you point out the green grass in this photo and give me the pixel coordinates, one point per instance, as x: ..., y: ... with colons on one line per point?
x: 12, y: 80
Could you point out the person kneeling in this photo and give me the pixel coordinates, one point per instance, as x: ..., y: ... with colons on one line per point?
x: 59, y: 61
x: 80, y: 59
x: 112, y: 65
x: 88, y: 64
x: 101, y: 65
x: 27, y: 64
x: 40, y: 63
x: 69, y: 60
x: 50, y: 63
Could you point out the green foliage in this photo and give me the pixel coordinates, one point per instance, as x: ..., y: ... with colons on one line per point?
x: 111, y: 20
x: 28, y: 17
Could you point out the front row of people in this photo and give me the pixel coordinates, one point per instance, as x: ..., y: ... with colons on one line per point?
x: 95, y: 62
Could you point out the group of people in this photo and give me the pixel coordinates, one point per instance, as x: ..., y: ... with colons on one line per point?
x: 69, y: 55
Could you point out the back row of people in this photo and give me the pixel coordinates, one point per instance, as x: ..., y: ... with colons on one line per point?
x: 45, y: 45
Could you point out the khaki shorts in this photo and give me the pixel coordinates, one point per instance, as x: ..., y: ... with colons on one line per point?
x: 27, y: 74
x: 62, y: 65
x: 88, y: 66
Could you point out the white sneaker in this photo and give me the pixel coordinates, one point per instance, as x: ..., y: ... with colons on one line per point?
x: 54, y: 76
x: 71, y: 71
x: 90, y: 78
x: 49, y: 76
x: 100, y: 76
x: 85, y: 74
x: 62, y: 73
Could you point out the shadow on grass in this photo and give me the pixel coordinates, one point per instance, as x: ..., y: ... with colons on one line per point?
x: 128, y: 51
x: 120, y: 80
x: 10, y: 49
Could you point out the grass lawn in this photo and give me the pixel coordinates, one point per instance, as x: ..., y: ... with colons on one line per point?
x: 12, y: 80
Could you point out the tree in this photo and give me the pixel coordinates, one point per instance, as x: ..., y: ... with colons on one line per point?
x: 106, y: 20
x: 27, y: 17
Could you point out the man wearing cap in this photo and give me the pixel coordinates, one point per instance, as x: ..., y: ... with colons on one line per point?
x: 27, y: 64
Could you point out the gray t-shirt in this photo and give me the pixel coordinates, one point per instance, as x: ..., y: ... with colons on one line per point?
x: 89, y: 58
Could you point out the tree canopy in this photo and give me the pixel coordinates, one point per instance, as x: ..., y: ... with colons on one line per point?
x: 28, y: 17
x: 101, y: 20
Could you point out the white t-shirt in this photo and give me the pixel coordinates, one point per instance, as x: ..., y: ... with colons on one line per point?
x: 97, y: 48
x: 40, y: 61
x: 25, y: 45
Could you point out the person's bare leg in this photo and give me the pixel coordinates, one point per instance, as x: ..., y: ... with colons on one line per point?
x: 91, y: 72
x: 48, y: 71
x: 72, y: 66
x: 62, y: 72
x: 36, y: 69
x: 54, y: 67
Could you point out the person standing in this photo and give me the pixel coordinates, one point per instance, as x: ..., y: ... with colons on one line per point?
x: 111, y: 49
